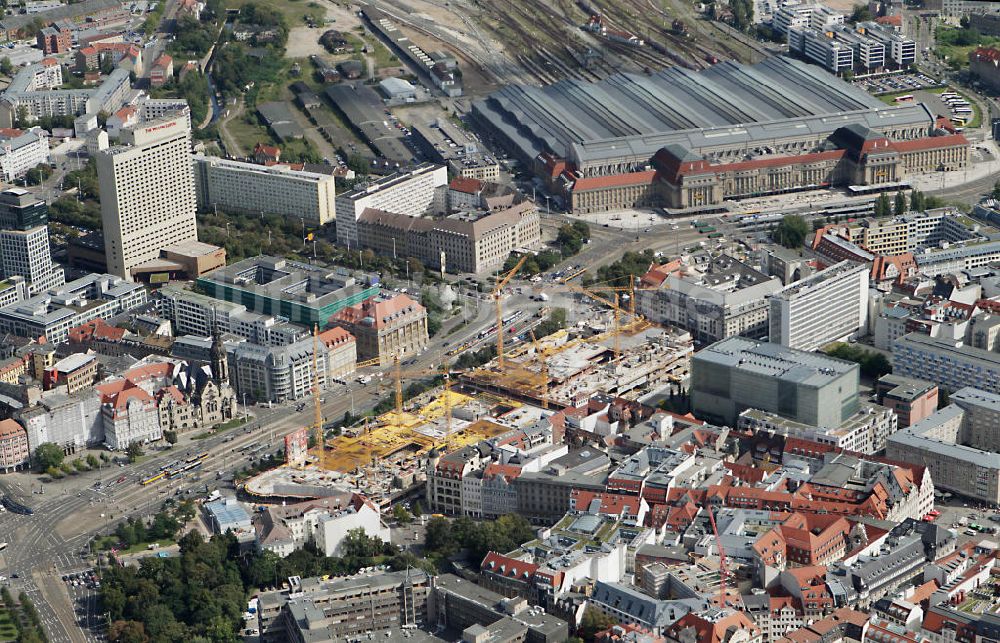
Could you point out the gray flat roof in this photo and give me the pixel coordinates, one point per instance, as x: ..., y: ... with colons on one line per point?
x: 916, y: 437
x: 775, y: 360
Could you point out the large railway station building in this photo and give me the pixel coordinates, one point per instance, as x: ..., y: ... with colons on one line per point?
x: 684, y: 139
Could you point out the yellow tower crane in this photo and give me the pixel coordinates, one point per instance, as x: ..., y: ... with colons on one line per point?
x: 399, y: 374
x: 542, y: 357
x: 497, y: 291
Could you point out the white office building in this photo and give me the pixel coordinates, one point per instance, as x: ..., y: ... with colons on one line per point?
x: 53, y: 312
x: 825, y: 307
x: 147, y: 193
x: 192, y: 313
x: 413, y: 193
x: 24, y: 241
x: 252, y: 188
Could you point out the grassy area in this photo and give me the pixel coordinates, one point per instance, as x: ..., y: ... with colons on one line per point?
x: 383, y: 57
x: 8, y: 626
x: 248, y: 134
x: 231, y: 424
x: 295, y: 11
x: 141, y: 547
x: 890, y: 99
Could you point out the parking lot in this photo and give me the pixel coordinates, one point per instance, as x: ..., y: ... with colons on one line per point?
x: 896, y: 83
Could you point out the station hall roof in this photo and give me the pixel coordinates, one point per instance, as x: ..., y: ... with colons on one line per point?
x: 636, y: 114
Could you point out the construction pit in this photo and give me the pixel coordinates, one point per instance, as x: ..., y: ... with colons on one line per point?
x: 385, y: 455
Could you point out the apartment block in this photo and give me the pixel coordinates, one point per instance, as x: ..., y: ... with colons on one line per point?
x: 948, y: 363
x: 413, y: 193
x: 20, y: 153
x: 737, y: 374
x: 828, y: 306
x: 236, y: 186
x: 954, y: 443
x: 911, y: 399
x: 278, y: 373
x: 386, y: 327
x: 139, y: 215
x: 34, y: 88
x: 864, y: 432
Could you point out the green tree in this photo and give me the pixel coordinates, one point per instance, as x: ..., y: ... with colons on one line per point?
x: 92, y: 461
x: 170, y: 437
x: 917, y: 200
x: 134, y: 451
x: 883, y: 208
x: 996, y: 190
x: 418, y: 509
x: 127, y: 632
x: 791, y: 231
x: 48, y: 454
x: 6, y: 67
x: 594, y: 621
x: 899, y: 204
x: 861, y: 13
x: 401, y: 515
x: 944, y: 397
x: 55, y: 473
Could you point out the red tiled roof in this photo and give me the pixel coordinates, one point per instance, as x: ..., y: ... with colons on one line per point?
x: 49, y: 62
x: 335, y: 335
x: 508, y: 567
x: 379, y: 310
x: 10, y: 429
x: 986, y: 54
x: 508, y: 471
x: 778, y: 161
x: 613, y: 180
x: 930, y: 143
x: 713, y: 631
x: 466, y: 185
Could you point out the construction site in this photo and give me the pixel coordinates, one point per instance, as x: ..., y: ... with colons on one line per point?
x: 614, y: 351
